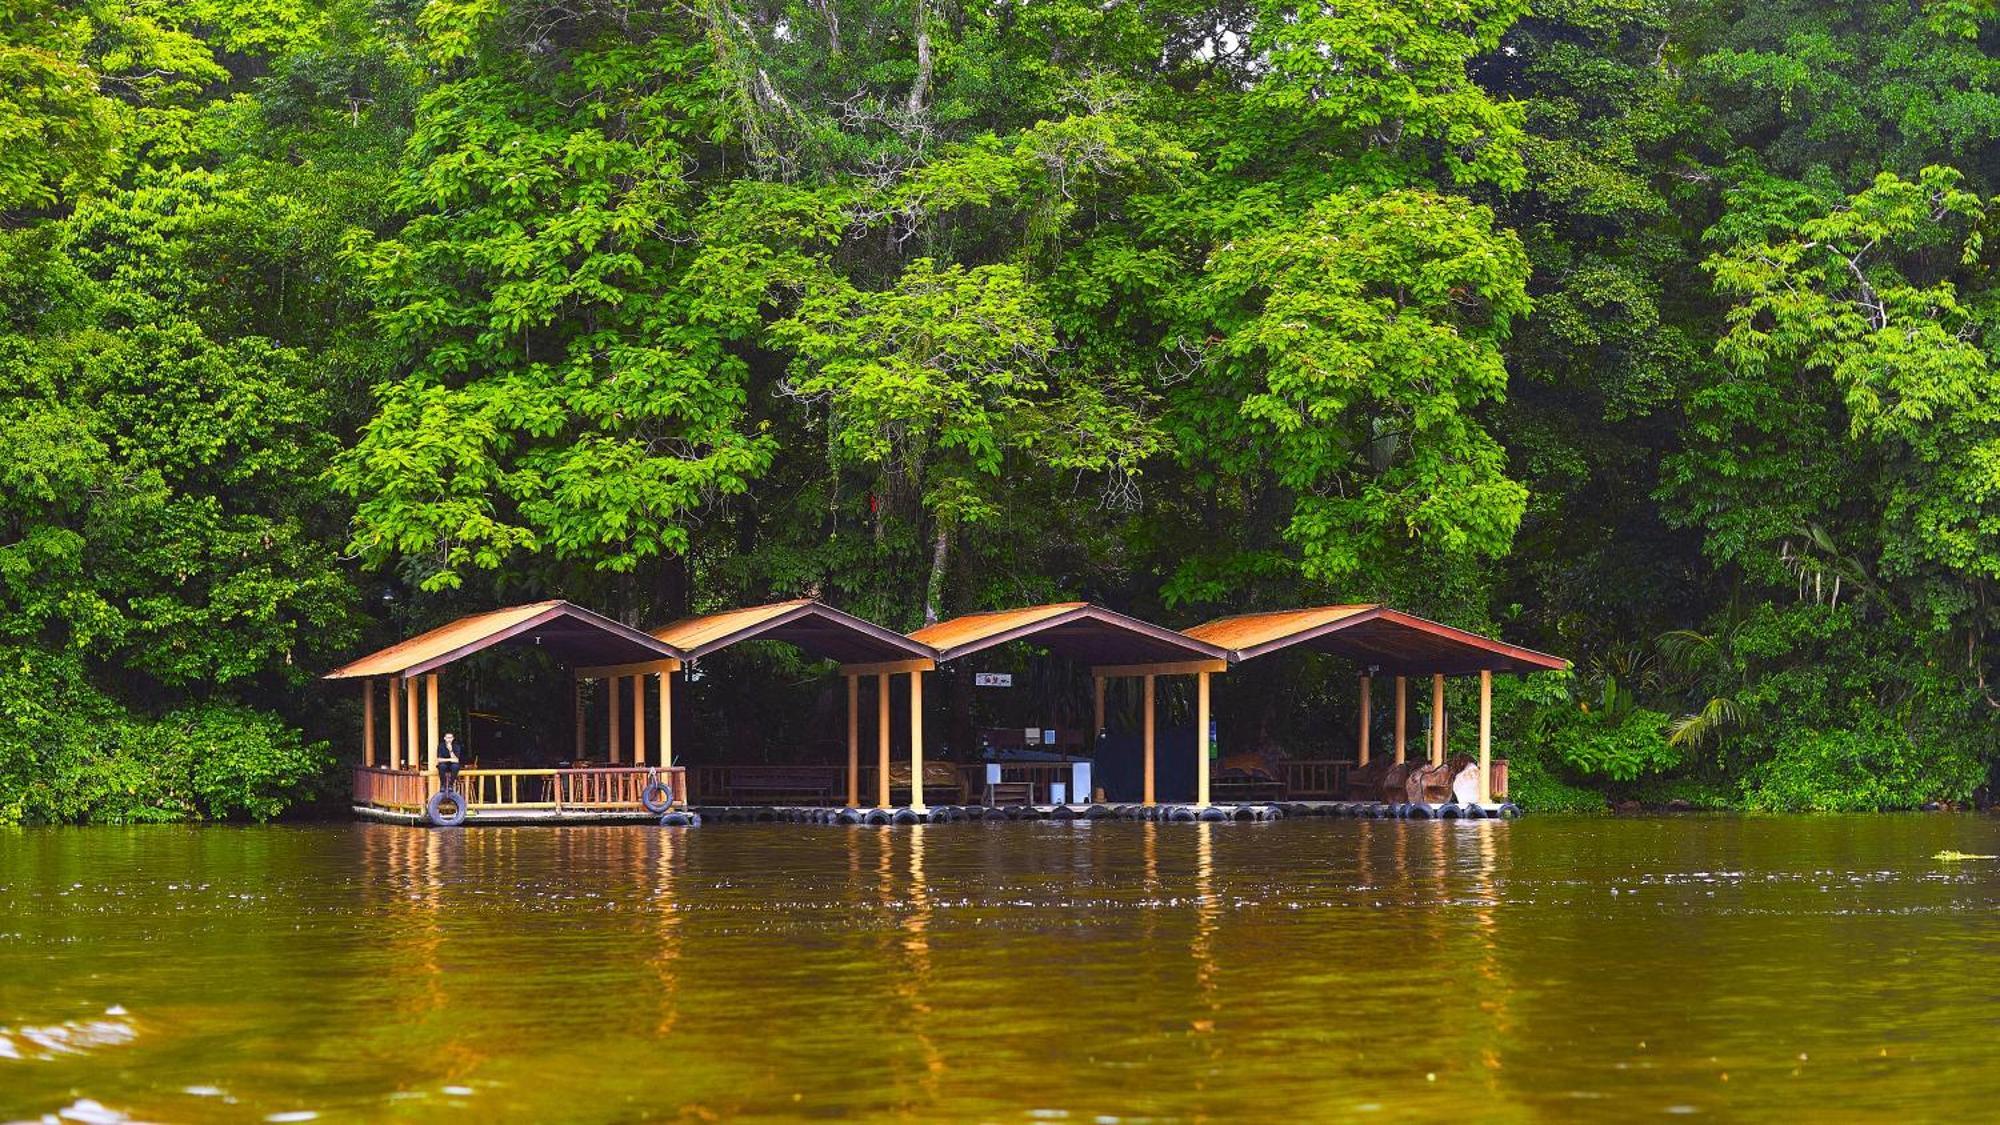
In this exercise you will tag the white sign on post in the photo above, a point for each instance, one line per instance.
(993, 679)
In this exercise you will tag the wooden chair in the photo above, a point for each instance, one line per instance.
(1364, 783)
(1396, 782)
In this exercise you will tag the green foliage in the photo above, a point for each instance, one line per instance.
(1537, 788)
(1657, 335)
(1863, 770)
(1615, 740)
(68, 753)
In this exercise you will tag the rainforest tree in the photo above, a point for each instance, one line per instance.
(1657, 334)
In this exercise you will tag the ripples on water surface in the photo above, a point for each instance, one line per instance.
(1545, 969)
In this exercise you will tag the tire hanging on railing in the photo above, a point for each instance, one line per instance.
(657, 796)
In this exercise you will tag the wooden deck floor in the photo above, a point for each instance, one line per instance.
(799, 814)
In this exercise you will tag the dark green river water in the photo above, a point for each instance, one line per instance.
(1544, 969)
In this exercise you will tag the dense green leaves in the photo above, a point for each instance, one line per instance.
(1659, 334)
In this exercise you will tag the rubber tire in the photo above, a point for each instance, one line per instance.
(436, 818)
(1212, 813)
(1508, 811)
(1451, 810)
(657, 797)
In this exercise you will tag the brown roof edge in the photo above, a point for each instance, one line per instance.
(1438, 628)
(1080, 611)
(475, 641)
(1410, 620)
(808, 607)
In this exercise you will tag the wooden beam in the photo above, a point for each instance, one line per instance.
(1402, 717)
(917, 741)
(1486, 736)
(617, 718)
(576, 717)
(395, 723)
(368, 723)
(431, 707)
(888, 667)
(853, 742)
(667, 721)
(1149, 740)
(881, 740)
(1367, 702)
(1097, 712)
(1437, 720)
(643, 668)
(1164, 668)
(410, 703)
(1201, 738)
(639, 720)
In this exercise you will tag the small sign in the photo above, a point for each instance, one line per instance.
(993, 679)
(1031, 735)
(1049, 736)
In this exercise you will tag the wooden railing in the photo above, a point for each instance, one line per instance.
(390, 789)
(595, 789)
(1306, 779)
(1316, 779)
(768, 785)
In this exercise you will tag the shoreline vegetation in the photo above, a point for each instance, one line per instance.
(1658, 336)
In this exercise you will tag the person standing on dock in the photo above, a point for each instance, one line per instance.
(448, 761)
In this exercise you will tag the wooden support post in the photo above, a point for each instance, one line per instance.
(1097, 724)
(853, 742)
(882, 740)
(576, 718)
(1149, 740)
(639, 720)
(1486, 736)
(395, 723)
(666, 719)
(917, 741)
(1437, 719)
(1201, 738)
(611, 752)
(431, 710)
(1367, 700)
(410, 726)
(1402, 716)
(368, 723)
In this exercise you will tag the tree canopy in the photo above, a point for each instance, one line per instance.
(1661, 335)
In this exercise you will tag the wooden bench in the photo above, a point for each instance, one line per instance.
(1246, 785)
(768, 786)
(941, 779)
(1009, 793)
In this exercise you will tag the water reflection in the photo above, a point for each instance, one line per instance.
(1545, 968)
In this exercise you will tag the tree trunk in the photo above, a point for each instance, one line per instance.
(920, 87)
(934, 588)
